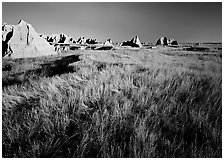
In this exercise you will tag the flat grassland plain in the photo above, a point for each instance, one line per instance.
(149, 102)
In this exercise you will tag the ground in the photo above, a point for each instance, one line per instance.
(126, 102)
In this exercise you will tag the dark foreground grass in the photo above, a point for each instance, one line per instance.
(105, 110)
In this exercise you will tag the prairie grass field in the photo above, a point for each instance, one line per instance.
(123, 103)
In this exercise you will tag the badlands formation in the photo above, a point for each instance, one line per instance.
(134, 42)
(108, 42)
(58, 38)
(22, 41)
(166, 41)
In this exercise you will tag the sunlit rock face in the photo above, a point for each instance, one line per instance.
(166, 41)
(134, 42)
(22, 41)
(108, 42)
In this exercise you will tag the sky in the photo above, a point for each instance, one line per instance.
(119, 21)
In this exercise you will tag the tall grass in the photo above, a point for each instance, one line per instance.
(106, 110)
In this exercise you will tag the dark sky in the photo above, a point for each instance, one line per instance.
(185, 22)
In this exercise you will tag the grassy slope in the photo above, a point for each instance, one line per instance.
(155, 105)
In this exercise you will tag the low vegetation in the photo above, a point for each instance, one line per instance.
(109, 110)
